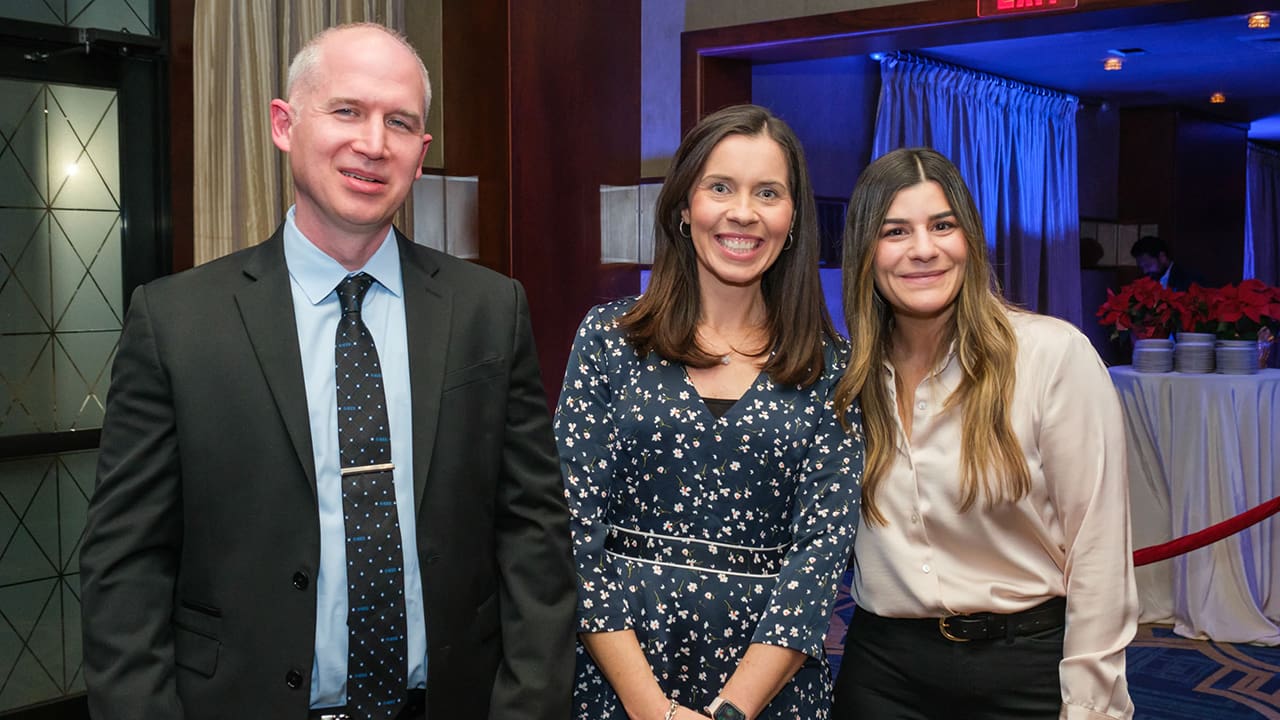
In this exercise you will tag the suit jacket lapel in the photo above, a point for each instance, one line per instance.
(266, 308)
(428, 313)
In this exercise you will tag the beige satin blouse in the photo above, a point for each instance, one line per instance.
(1069, 536)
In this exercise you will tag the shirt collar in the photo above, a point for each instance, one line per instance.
(937, 370)
(317, 274)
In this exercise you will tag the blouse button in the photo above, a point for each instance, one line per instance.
(915, 518)
(921, 405)
(926, 567)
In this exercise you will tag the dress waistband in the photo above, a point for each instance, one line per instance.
(694, 554)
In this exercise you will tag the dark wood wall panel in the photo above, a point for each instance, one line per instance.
(1208, 192)
(575, 125)
(1146, 167)
(542, 103)
(709, 84)
(1098, 143)
(477, 115)
(1187, 174)
(181, 132)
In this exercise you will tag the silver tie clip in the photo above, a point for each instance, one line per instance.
(362, 469)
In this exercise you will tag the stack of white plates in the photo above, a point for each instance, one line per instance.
(1193, 353)
(1153, 356)
(1237, 357)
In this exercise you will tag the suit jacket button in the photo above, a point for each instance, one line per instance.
(293, 679)
(300, 580)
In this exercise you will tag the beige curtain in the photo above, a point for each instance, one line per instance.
(241, 54)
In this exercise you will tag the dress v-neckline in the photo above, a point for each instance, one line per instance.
(735, 410)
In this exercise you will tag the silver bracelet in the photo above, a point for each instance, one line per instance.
(671, 711)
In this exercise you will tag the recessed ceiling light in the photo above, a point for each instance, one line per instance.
(1112, 63)
(1217, 98)
(1259, 21)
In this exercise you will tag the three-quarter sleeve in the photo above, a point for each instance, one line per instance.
(824, 518)
(1083, 453)
(587, 439)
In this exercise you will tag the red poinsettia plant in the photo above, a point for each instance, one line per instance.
(1233, 312)
(1194, 309)
(1241, 311)
(1143, 307)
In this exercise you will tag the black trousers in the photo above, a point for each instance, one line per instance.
(906, 670)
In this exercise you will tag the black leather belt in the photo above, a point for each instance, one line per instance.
(984, 626)
(414, 707)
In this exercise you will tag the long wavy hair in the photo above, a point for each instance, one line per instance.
(991, 461)
(665, 319)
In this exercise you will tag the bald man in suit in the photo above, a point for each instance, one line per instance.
(214, 563)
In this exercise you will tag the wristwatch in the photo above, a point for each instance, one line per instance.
(721, 709)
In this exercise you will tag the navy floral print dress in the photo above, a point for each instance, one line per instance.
(703, 534)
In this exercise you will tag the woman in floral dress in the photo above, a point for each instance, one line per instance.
(714, 493)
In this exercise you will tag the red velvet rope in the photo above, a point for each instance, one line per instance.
(1211, 534)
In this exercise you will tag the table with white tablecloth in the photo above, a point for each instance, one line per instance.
(1204, 448)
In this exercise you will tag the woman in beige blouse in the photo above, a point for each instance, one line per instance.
(993, 569)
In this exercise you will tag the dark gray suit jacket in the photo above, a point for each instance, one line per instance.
(203, 539)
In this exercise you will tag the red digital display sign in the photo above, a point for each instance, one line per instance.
(988, 8)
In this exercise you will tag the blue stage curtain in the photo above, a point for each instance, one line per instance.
(1015, 145)
(1262, 223)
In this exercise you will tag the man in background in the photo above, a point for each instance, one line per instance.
(327, 485)
(1152, 257)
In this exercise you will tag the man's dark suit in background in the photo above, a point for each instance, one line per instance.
(202, 548)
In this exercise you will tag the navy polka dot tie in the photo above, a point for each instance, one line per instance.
(376, 664)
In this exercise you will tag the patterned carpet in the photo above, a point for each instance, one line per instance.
(1170, 677)
(1173, 678)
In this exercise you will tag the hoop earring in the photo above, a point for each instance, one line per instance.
(684, 229)
(791, 241)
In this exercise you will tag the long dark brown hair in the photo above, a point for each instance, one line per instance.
(991, 461)
(665, 319)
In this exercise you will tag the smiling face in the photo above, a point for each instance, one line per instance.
(921, 253)
(740, 210)
(354, 133)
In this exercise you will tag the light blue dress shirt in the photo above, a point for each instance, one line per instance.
(313, 276)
